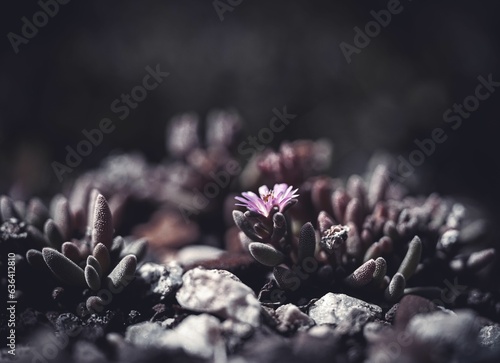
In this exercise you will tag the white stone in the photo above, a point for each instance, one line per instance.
(336, 308)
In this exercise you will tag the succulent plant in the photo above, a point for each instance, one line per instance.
(95, 261)
(375, 240)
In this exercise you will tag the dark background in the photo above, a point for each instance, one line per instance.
(264, 54)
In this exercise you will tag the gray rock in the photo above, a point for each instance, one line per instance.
(194, 254)
(489, 336)
(337, 308)
(164, 279)
(85, 352)
(292, 319)
(221, 293)
(456, 334)
(316, 347)
(145, 334)
(197, 335)
(321, 331)
(375, 331)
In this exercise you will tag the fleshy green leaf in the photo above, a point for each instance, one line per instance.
(266, 254)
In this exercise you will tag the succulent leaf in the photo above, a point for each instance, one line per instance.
(7, 209)
(37, 213)
(37, 236)
(63, 268)
(357, 189)
(380, 271)
(92, 261)
(286, 278)
(92, 278)
(374, 251)
(245, 225)
(53, 234)
(279, 227)
(95, 304)
(307, 242)
(122, 273)
(412, 258)
(324, 221)
(379, 183)
(481, 259)
(396, 288)
(354, 213)
(102, 223)
(101, 254)
(266, 254)
(340, 200)
(62, 216)
(137, 248)
(354, 246)
(363, 275)
(35, 259)
(71, 251)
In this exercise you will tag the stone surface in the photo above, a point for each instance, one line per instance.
(411, 305)
(321, 346)
(164, 279)
(292, 319)
(194, 254)
(455, 335)
(221, 293)
(375, 331)
(336, 308)
(144, 334)
(489, 336)
(197, 335)
(85, 352)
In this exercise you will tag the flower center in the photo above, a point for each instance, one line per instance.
(268, 196)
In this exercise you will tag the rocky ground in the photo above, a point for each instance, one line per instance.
(354, 269)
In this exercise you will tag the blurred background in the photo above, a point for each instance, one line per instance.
(253, 56)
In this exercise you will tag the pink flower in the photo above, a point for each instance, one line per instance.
(280, 196)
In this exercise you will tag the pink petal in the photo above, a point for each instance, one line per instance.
(263, 190)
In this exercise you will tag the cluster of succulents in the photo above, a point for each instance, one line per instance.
(356, 246)
(86, 257)
(371, 238)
